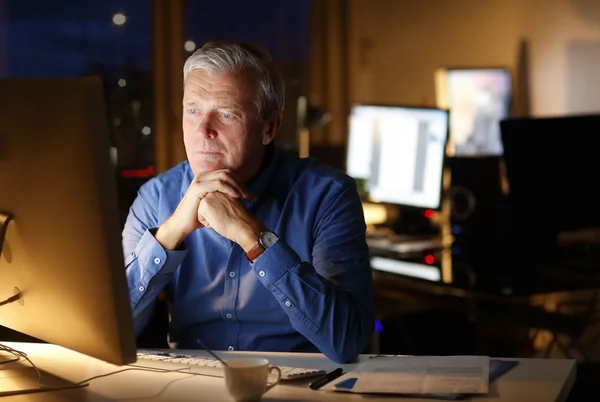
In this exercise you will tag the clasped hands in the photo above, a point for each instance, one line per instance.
(213, 200)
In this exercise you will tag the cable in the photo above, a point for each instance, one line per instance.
(136, 368)
(11, 299)
(16, 359)
(84, 383)
(18, 354)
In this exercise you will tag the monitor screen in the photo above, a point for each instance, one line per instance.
(397, 154)
(478, 99)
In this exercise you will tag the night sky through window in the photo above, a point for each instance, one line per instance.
(59, 38)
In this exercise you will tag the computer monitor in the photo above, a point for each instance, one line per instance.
(552, 168)
(397, 153)
(478, 99)
(62, 249)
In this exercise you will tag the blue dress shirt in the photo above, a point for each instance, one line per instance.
(311, 291)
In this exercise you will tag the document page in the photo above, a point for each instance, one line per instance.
(418, 375)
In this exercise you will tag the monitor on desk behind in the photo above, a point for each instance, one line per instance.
(62, 249)
(478, 99)
(552, 169)
(397, 154)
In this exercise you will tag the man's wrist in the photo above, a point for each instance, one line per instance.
(248, 235)
(168, 237)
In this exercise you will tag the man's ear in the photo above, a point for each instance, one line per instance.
(272, 126)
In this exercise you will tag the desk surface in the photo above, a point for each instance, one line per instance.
(531, 380)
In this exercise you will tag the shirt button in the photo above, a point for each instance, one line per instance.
(261, 273)
(228, 315)
(157, 260)
(230, 348)
(231, 274)
(288, 303)
(141, 288)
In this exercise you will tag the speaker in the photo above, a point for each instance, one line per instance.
(477, 216)
(475, 193)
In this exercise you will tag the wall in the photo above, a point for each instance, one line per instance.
(394, 47)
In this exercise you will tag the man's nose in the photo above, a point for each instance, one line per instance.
(206, 127)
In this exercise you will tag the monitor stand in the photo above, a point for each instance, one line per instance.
(9, 356)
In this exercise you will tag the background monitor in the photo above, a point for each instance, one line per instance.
(478, 99)
(552, 170)
(397, 154)
(62, 249)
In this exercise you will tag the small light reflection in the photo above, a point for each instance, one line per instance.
(114, 155)
(374, 213)
(146, 130)
(116, 122)
(122, 82)
(190, 45)
(119, 19)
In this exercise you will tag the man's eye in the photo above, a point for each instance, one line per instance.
(227, 115)
(192, 111)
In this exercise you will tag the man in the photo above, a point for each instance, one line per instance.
(256, 248)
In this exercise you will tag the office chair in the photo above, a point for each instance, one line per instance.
(570, 319)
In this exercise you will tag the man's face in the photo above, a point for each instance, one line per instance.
(220, 129)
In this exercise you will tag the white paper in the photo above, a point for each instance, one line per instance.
(419, 375)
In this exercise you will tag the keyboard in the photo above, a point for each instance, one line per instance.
(212, 367)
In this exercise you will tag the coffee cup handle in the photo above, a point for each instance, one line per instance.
(278, 370)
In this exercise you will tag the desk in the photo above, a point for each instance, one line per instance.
(531, 380)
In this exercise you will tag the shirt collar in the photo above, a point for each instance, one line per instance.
(259, 183)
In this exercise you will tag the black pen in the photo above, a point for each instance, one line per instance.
(327, 378)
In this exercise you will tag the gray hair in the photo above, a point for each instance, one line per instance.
(225, 57)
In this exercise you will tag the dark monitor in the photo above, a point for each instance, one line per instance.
(552, 168)
(62, 249)
(397, 153)
(478, 99)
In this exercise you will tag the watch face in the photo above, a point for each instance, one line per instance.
(267, 239)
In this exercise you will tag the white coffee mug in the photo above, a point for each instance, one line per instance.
(247, 378)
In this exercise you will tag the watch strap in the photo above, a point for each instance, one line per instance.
(255, 252)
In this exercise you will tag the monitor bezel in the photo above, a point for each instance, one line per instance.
(409, 207)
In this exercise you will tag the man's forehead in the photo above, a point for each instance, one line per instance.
(202, 83)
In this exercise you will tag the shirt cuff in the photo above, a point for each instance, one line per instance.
(274, 262)
(155, 258)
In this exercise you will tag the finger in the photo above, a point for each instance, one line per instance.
(218, 181)
(228, 177)
(217, 185)
(202, 221)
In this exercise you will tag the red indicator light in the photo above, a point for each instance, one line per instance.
(137, 173)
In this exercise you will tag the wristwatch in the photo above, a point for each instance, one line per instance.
(265, 240)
